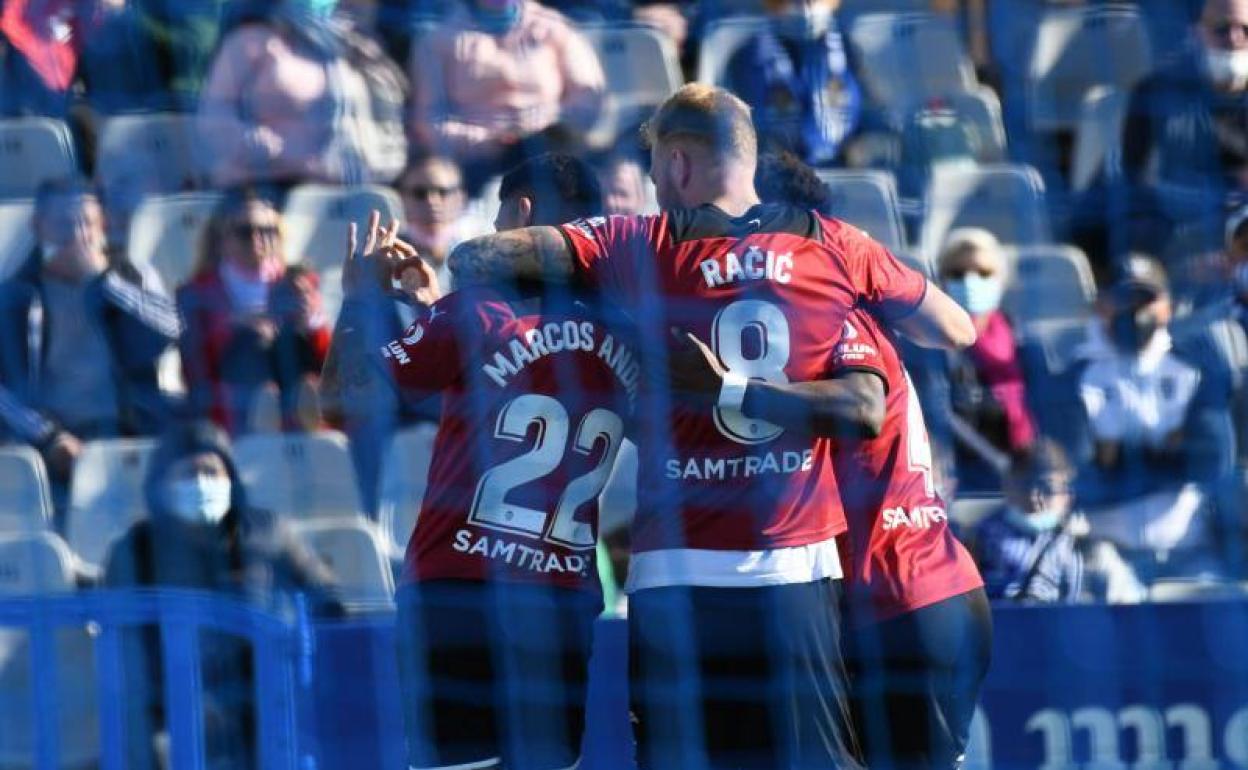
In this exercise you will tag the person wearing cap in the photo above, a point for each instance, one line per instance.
(1145, 418)
(201, 534)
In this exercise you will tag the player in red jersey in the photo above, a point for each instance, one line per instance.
(734, 643)
(500, 586)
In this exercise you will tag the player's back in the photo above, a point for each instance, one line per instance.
(768, 291)
(534, 410)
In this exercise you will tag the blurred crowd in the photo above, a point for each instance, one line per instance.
(1093, 438)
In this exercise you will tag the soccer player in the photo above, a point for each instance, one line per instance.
(734, 648)
(500, 587)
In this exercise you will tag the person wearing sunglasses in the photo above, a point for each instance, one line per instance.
(432, 190)
(252, 321)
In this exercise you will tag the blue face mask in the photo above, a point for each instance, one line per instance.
(496, 21)
(1036, 521)
(975, 293)
(318, 9)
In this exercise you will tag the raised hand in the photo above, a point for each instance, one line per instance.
(385, 258)
(693, 368)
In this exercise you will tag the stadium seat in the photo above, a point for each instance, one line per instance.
(1098, 137)
(1057, 340)
(1007, 200)
(152, 153)
(868, 200)
(1194, 590)
(41, 564)
(721, 41)
(905, 59)
(32, 151)
(1077, 49)
(303, 475)
(967, 512)
(355, 550)
(165, 234)
(642, 70)
(403, 479)
(106, 494)
(317, 216)
(1050, 283)
(17, 235)
(25, 504)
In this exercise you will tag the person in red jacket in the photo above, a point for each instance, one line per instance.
(251, 319)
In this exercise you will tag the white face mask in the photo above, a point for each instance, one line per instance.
(201, 500)
(1227, 68)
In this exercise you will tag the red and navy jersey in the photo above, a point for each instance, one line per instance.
(899, 553)
(769, 291)
(533, 415)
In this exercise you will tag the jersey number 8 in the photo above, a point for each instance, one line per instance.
(764, 325)
(490, 507)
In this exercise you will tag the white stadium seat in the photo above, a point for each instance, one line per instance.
(1007, 200)
(153, 153)
(165, 234)
(907, 58)
(1098, 137)
(41, 564)
(969, 511)
(1078, 49)
(17, 235)
(303, 475)
(642, 70)
(867, 200)
(355, 550)
(316, 219)
(721, 41)
(32, 151)
(106, 494)
(404, 476)
(25, 504)
(981, 109)
(1050, 283)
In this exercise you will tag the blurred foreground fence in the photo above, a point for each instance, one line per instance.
(1150, 687)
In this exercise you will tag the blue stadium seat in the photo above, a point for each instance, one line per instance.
(106, 494)
(302, 475)
(1005, 199)
(17, 234)
(165, 234)
(152, 153)
(32, 151)
(868, 200)
(905, 59)
(25, 503)
(355, 550)
(1098, 137)
(642, 70)
(1050, 283)
(721, 40)
(1078, 49)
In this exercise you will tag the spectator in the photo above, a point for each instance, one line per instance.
(496, 75)
(295, 95)
(83, 365)
(1189, 121)
(548, 189)
(1033, 550)
(987, 391)
(797, 79)
(200, 534)
(432, 188)
(1147, 423)
(44, 41)
(250, 319)
(623, 185)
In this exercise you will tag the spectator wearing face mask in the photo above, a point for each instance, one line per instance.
(79, 337)
(987, 390)
(1035, 550)
(1186, 129)
(201, 534)
(250, 319)
(296, 94)
(796, 77)
(493, 77)
(1148, 422)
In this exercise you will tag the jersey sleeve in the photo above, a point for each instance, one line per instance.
(613, 254)
(889, 288)
(860, 348)
(433, 350)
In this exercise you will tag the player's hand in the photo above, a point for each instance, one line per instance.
(418, 280)
(693, 367)
(370, 272)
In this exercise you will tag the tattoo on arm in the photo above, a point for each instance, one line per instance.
(350, 375)
(527, 255)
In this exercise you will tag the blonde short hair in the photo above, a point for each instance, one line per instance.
(964, 239)
(709, 116)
